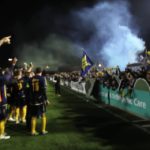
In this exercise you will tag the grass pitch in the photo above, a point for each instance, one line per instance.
(74, 124)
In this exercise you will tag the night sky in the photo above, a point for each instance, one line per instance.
(25, 21)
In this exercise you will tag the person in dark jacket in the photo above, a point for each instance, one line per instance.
(57, 85)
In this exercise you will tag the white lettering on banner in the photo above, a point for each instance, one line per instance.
(62, 82)
(78, 87)
(127, 100)
(130, 101)
(115, 96)
(66, 83)
(135, 101)
(139, 103)
(104, 94)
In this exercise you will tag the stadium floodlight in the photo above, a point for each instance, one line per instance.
(99, 65)
(10, 59)
(47, 67)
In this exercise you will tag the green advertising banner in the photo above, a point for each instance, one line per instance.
(138, 102)
(142, 98)
(103, 94)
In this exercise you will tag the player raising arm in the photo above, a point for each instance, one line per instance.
(5, 40)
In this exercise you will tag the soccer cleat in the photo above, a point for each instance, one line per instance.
(17, 122)
(35, 134)
(44, 132)
(23, 121)
(4, 137)
(11, 119)
(5, 134)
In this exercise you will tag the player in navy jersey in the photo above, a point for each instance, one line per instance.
(3, 106)
(28, 96)
(18, 96)
(38, 101)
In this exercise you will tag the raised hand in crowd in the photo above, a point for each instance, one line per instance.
(5, 40)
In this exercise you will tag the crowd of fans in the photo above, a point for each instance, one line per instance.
(107, 75)
(112, 78)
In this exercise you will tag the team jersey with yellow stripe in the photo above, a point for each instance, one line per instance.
(38, 88)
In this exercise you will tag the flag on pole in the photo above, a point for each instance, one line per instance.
(86, 64)
(148, 52)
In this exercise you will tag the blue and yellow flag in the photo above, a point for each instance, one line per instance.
(86, 64)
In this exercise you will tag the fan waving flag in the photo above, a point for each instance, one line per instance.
(86, 64)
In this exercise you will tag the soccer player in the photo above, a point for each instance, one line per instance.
(27, 78)
(3, 106)
(18, 95)
(38, 101)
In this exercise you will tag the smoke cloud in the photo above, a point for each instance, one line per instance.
(54, 51)
(115, 37)
(106, 30)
